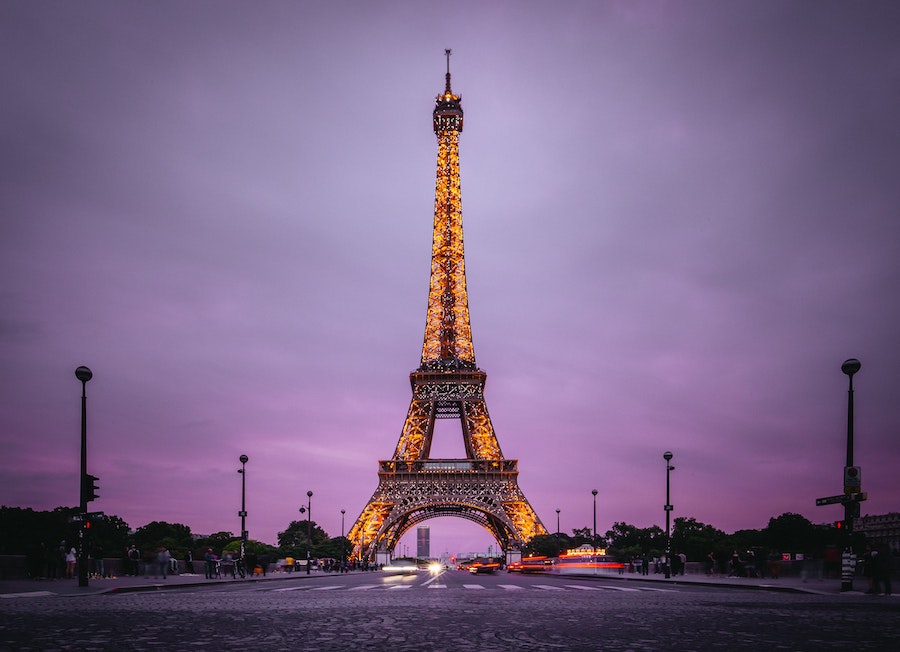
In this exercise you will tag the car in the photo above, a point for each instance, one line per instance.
(401, 567)
(479, 568)
(515, 567)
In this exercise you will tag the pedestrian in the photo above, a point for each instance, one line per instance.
(251, 562)
(71, 558)
(710, 563)
(210, 559)
(134, 561)
(189, 562)
(97, 555)
(682, 562)
(163, 558)
(881, 573)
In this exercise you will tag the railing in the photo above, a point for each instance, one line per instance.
(447, 467)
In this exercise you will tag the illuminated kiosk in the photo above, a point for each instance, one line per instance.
(413, 487)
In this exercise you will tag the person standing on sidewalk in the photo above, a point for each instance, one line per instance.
(163, 558)
(71, 558)
(210, 559)
(134, 561)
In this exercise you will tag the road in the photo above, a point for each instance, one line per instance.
(452, 611)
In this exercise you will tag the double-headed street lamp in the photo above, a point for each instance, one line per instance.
(667, 456)
(87, 486)
(243, 512)
(594, 541)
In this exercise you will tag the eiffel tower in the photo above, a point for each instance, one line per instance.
(412, 486)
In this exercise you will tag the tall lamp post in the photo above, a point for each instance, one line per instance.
(308, 527)
(594, 540)
(342, 540)
(84, 375)
(243, 512)
(667, 456)
(851, 508)
(557, 532)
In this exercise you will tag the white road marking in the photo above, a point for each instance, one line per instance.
(473, 586)
(619, 588)
(511, 587)
(548, 587)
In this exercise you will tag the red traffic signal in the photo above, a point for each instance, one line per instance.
(839, 525)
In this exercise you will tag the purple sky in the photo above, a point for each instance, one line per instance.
(680, 219)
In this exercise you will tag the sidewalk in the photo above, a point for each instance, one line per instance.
(62, 587)
(789, 584)
(10, 589)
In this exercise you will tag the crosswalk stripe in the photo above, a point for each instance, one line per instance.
(437, 586)
(291, 588)
(325, 588)
(399, 586)
(583, 588)
(619, 588)
(511, 587)
(362, 587)
(473, 586)
(548, 587)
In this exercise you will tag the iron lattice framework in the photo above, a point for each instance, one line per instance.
(412, 487)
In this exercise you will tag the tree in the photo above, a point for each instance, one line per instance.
(695, 539)
(543, 545)
(292, 542)
(218, 541)
(174, 536)
(791, 532)
(627, 541)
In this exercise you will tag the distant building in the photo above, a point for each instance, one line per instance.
(423, 542)
(884, 528)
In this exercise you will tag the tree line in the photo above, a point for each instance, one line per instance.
(788, 533)
(24, 531)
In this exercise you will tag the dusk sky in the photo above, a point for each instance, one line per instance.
(680, 219)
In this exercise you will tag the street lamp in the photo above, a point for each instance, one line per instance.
(594, 540)
(308, 527)
(342, 540)
(667, 456)
(557, 532)
(243, 512)
(851, 508)
(84, 375)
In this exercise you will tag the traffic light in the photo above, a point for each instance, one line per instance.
(839, 525)
(90, 487)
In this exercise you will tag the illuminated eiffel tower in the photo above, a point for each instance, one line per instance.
(413, 487)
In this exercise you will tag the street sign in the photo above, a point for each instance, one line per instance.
(830, 500)
(842, 499)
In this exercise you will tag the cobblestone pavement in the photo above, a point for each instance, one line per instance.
(451, 612)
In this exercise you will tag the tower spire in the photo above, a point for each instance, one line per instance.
(447, 90)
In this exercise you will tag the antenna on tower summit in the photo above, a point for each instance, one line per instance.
(447, 54)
